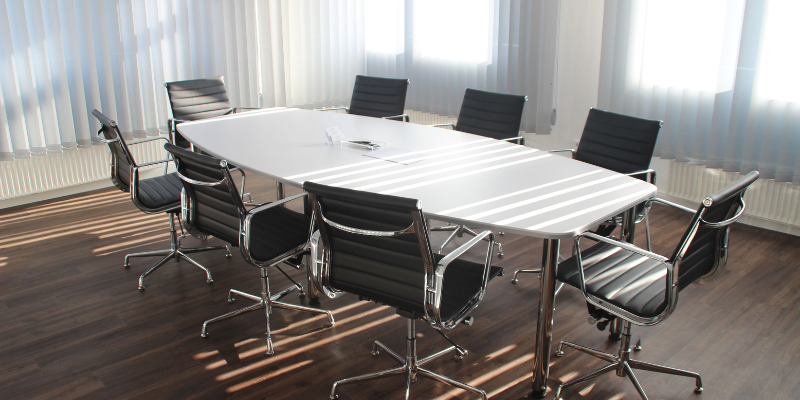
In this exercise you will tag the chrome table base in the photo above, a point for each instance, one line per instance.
(622, 364)
(176, 252)
(459, 231)
(265, 303)
(410, 366)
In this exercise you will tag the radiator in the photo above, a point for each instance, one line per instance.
(27, 176)
(766, 199)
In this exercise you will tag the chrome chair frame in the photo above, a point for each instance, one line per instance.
(401, 117)
(622, 363)
(410, 365)
(265, 301)
(176, 251)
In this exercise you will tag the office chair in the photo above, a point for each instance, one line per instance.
(196, 99)
(624, 281)
(376, 246)
(267, 235)
(152, 196)
(378, 97)
(494, 115)
(622, 144)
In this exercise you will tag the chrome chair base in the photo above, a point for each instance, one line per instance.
(410, 366)
(459, 231)
(175, 252)
(622, 364)
(266, 302)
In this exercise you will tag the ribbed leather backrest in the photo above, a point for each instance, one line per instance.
(198, 98)
(702, 254)
(217, 210)
(122, 159)
(378, 97)
(389, 270)
(617, 142)
(489, 114)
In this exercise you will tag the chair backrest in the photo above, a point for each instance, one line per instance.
(198, 98)
(387, 269)
(618, 142)
(707, 235)
(121, 157)
(494, 115)
(211, 204)
(378, 97)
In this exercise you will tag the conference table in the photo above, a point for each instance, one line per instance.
(458, 177)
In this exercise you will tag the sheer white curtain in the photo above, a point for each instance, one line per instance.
(59, 59)
(311, 51)
(721, 74)
(446, 46)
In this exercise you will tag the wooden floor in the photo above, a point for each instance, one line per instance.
(74, 325)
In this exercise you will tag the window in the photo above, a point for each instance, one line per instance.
(458, 30)
(779, 60)
(383, 26)
(691, 44)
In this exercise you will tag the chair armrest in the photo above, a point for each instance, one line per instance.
(625, 246)
(267, 206)
(669, 203)
(148, 140)
(177, 121)
(651, 174)
(519, 139)
(401, 117)
(335, 108)
(236, 109)
(671, 282)
(450, 124)
(433, 295)
(561, 151)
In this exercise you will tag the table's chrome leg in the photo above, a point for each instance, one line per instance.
(544, 328)
(281, 193)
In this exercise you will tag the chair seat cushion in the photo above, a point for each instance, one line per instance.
(160, 192)
(275, 231)
(627, 280)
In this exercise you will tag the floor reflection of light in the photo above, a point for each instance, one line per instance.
(283, 342)
(56, 232)
(205, 354)
(244, 342)
(262, 378)
(62, 203)
(509, 385)
(118, 245)
(38, 215)
(586, 390)
(490, 375)
(500, 352)
(136, 233)
(299, 350)
(320, 317)
(568, 376)
(3, 261)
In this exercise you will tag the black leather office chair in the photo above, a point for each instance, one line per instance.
(622, 144)
(376, 246)
(152, 196)
(195, 99)
(494, 115)
(266, 235)
(378, 97)
(642, 287)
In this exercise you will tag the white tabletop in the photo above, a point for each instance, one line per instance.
(461, 177)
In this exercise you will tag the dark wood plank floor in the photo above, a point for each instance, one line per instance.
(73, 325)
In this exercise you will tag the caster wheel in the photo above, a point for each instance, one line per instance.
(559, 353)
(210, 281)
(141, 287)
(204, 335)
(698, 390)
